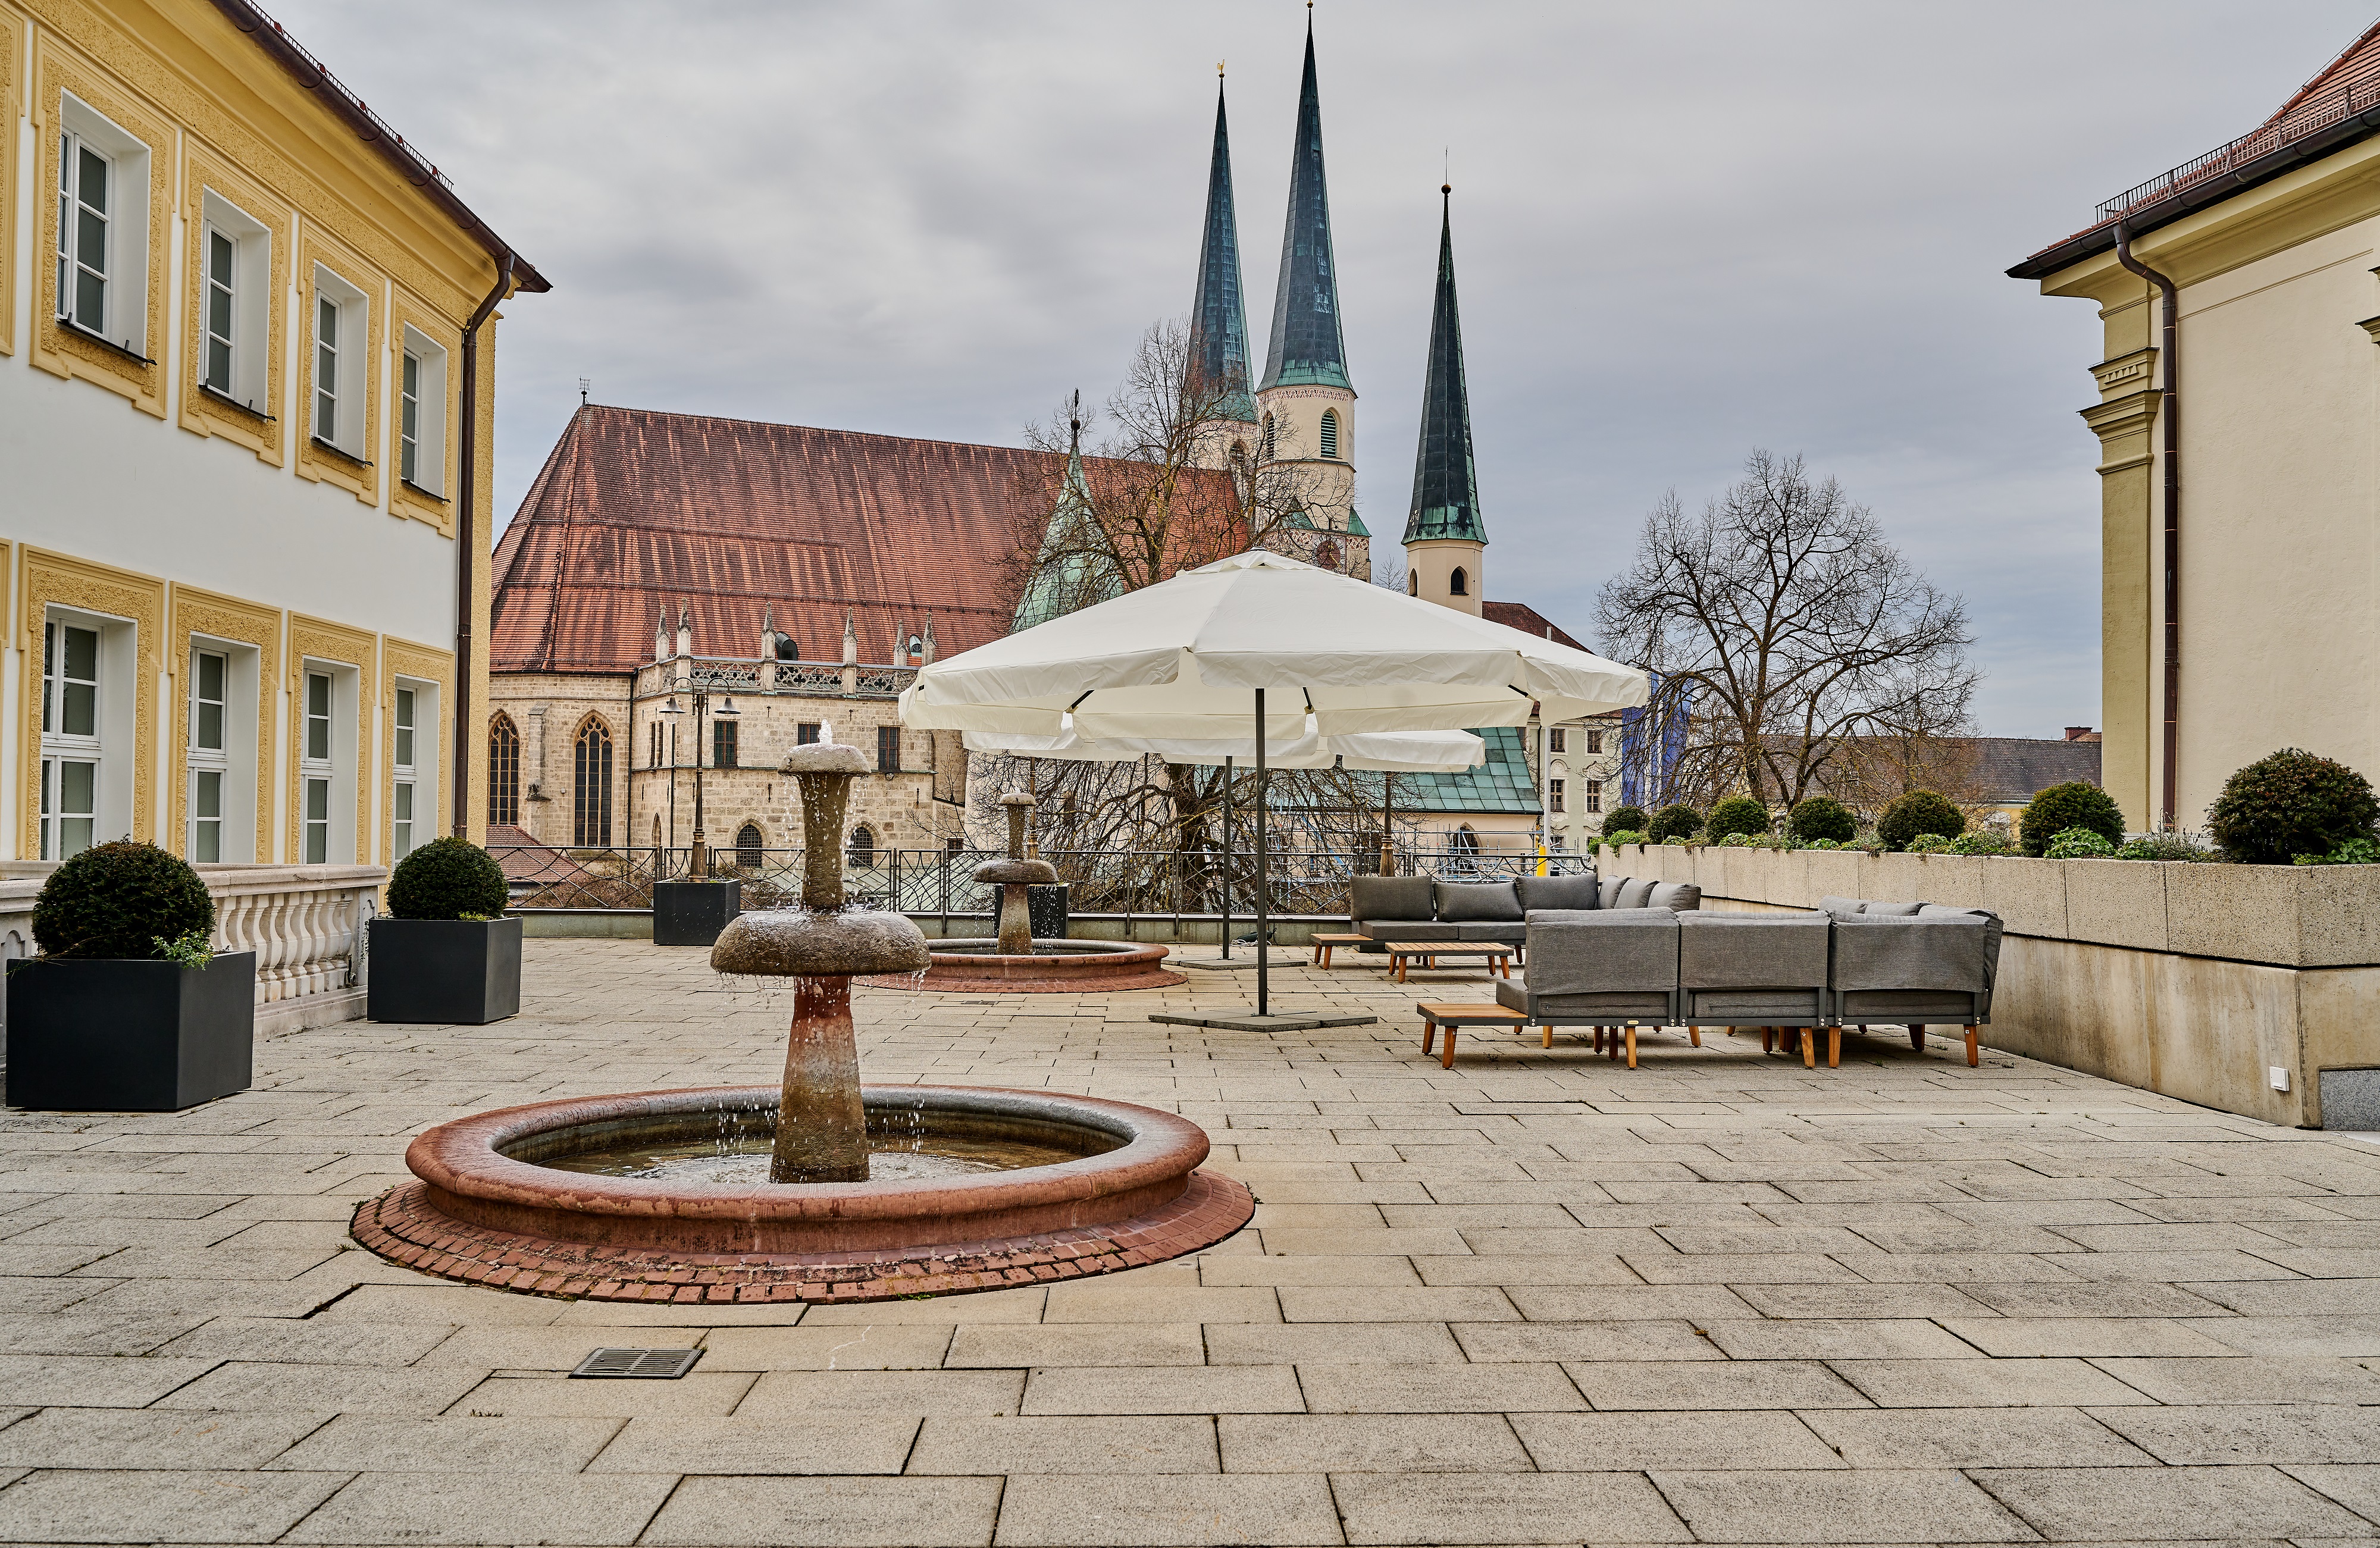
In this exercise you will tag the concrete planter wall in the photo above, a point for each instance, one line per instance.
(2194, 980)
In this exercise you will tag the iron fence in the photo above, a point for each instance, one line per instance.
(1132, 883)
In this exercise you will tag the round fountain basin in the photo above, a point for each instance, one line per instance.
(976, 963)
(1104, 1186)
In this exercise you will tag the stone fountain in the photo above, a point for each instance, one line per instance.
(867, 1191)
(1012, 961)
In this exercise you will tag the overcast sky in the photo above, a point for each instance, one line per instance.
(1682, 231)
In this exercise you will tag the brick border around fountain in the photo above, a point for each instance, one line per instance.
(1110, 965)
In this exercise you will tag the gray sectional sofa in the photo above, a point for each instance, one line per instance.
(1387, 908)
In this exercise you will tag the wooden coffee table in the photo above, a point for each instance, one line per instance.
(1322, 945)
(1441, 1016)
(1402, 953)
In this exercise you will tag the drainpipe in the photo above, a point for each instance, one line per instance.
(467, 536)
(2172, 418)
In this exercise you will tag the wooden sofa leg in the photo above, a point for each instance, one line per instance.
(1767, 1040)
(1631, 1044)
(1809, 1037)
(1428, 1036)
(1697, 1033)
(1834, 1047)
(1447, 1062)
(1975, 1053)
(1549, 1029)
(1917, 1037)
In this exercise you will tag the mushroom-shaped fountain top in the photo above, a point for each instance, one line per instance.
(1017, 873)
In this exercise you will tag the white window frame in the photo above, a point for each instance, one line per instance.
(234, 762)
(106, 749)
(422, 412)
(248, 381)
(348, 385)
(207, 769)
(124, 265)
(413, 781)
(1556, 797)
(1594, 796)
(1594, 744)
(326, 766)
(1557, 739)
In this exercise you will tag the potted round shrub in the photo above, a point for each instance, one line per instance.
(2294, 806)
(1920, 812)
(1822, 817)
(444, 952)
(2076, 804)
(126, 1010)
(1739, 814)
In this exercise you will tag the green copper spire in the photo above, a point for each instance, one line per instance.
(1218, 319)
(1446, 484)
(1071, 571)
(1307, 348)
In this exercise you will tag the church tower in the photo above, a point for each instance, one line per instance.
(1446, 544)
(1306, 404)
(1219, 317)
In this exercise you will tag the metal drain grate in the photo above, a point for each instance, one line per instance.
(656, 1364)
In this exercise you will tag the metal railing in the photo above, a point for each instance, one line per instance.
(2306, 119)
(1307, 883)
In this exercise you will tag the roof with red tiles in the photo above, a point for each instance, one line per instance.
(638, 513)
(1528, 619)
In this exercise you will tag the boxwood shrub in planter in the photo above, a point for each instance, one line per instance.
(1822, 817)
(444, 953)
(1919, 812)
(1674, 825)
(2292, 803)
(2076, 804)
(1737, 814)
(125, 1009)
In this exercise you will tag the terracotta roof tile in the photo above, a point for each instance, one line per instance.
(1528, 619)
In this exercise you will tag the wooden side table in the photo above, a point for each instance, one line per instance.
(1402, 953)
(1322, 945)
(1441, 1016)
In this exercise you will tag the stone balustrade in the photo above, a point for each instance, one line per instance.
(306, 925)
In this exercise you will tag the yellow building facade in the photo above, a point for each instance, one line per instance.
(2239, 405)
(247, 369)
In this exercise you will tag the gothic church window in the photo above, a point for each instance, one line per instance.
(503, 769)
(863, 848)
(1459, 583)
(748, 846)
(1330, 432)
(591, 793)
(888, 749)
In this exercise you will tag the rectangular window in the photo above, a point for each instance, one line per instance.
(723, 743)
(1594, 742)
(1594, 796)
(401, 779)
(404, 699)
(653, 735)
(318, 821)
(223, 276)
(69, 682)
(207, 758)
(69, 806)
(206, 816)
(1557, 740)
(409, 421)
(806, 733)
(1554, 796)
(888, 749)
(401, 823)
(326, 368)
(84, 234)
(318, 717)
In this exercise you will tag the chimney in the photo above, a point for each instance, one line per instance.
(2079, 733)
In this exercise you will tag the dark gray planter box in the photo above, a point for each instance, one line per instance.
(444, 971)
(1046, 906)
(693, 913)
(122, 1035)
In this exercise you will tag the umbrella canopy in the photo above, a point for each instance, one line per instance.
(1177, 661)
(1412, 752)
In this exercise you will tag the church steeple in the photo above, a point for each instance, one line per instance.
(1307, 348)
(1445, 540)
(1218, 319)
(1071, 569)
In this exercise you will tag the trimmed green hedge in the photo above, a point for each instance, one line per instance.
(448, 879)
(121, 899)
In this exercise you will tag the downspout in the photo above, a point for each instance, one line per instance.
(467, 537)
(2172, 418)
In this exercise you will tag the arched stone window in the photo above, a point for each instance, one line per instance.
(503, 769)
(863, 848)
(1413, 584)
(1330, 432)
(749, 846)
(590, 790)
(1327, 555)
(1463, 841)
(1459, 583)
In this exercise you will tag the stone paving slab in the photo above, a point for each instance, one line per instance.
(1535, 1298)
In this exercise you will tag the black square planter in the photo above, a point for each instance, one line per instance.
(1046, 906)
(128, 1035)
(446, 971)
(693, 913)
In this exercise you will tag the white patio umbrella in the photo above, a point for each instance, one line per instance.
(1191, 660)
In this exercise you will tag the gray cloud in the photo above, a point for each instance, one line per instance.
(1682, 231)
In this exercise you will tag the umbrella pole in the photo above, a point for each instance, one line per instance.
(1264, 984)
(1227, 857)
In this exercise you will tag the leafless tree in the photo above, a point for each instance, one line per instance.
(1781, 629)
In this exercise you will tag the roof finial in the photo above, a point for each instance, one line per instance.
(1218, 69)
(1075, 424)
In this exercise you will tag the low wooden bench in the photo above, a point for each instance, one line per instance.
(1440, 1016)
(1322, 945)
(1402, 953)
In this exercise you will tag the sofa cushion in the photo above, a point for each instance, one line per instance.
(1753, 950)
(1678, 897)
(1603, 951)
(1946, 952)
(1501, 932)
(1485, 900)
(1845, 908)
(1840, 908)
(1582, 891)
(1371, 898)
(1608, 891)
(1889, 910)
(1635, 892)
(1405, 929)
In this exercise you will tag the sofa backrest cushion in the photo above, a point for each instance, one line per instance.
(1845, 908)
(1949, 951)
(1889, 910)
(1390, 898)
(1582, 891)
(1679, 897)
(1586, 952)
(1840, 908)
(1753, 950)
(1477, 902)
(1636, 892)
(1608, 891)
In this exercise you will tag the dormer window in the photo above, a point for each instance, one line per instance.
(1330, 432)
(1459, 583)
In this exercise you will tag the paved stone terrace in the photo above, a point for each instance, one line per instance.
(1534, 1298)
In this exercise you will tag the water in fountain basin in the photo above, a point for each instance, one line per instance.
(741, 1159)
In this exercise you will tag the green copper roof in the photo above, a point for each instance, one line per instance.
(1501, 784)
(1307, 348)
(1355, 528)
(1446, 484)
(1218, 319)
(1069, 573)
